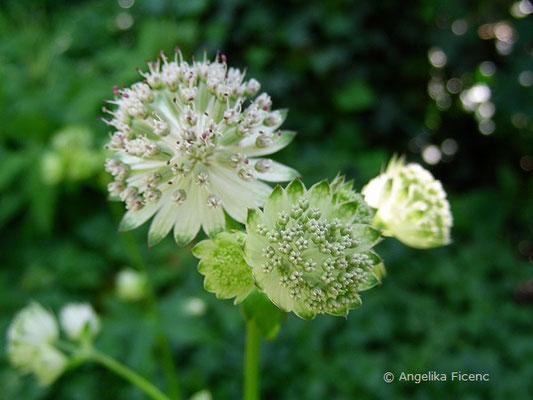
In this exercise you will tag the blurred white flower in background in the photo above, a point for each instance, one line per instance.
(30, 344)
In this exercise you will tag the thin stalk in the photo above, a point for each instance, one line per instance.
(131, 376)
(169, 367)
(251, 361)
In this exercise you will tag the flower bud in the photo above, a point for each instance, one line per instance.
(410, 205)
(131, 285)
(79, 321)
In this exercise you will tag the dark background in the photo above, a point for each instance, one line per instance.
(363, 80)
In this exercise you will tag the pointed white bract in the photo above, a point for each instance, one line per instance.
(410, 205)
(30, 344)
(188, 146)
(79, 321)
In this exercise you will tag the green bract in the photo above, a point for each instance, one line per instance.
(222, 263)
(309, 252)
(343, 191)
(411, 205)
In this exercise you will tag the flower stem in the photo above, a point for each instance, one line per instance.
(169, 367)
(251, 361)
(120, 369)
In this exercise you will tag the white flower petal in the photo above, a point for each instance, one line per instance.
(248, 147)
(135, 218)
(188, 219)
(237, 195)
(163, 222)
(277, 172)
(213, 220)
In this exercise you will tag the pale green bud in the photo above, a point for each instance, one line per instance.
(410, 205)
(131, 285)
(79, 321)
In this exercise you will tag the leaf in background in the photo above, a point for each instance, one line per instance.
(356, 95)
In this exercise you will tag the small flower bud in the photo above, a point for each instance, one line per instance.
(131, 285)
(252, 87)
(263, 141)
(263, 166)
(263, 101)
(188, 94)
(273, 119)
(411, 205)
(179, 196)
(79, 321)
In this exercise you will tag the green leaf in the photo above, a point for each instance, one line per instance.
(258, 308)
(356, 95)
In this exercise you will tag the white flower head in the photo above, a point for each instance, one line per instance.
(79, 321)
(410, 205)
(310, 253)
(188, 146)
(131, 285)
(30, 345)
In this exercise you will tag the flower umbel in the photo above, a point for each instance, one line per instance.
(79, 321)
(309, 253)
(30, 345)
(188, 145)
(410, 204)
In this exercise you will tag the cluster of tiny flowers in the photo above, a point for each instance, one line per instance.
(33, 335)
(187, 143)
(410, 205)
(310, 254)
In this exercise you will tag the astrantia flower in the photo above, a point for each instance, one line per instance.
(309, 253)
(188, 145)
(79, 321)
(30, 344)
(410, 204)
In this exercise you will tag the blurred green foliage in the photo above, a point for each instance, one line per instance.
(355, 76)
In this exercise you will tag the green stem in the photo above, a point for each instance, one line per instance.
(129, 375)
(136, 258)
(251, 361)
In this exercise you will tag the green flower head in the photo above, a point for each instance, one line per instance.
(189, 143)
(309, 252)
(222, 263)
(411, 205)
